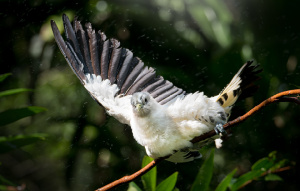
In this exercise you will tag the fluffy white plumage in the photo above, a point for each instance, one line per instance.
(104, 92)
(167, 128)
(164, 119)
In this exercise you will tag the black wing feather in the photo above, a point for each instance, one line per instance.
(144, 77)
(71, 36)
(104, 58)
(124, 69)
(133, 75)
(162, 89)
(68, 53)
(156, 82)
(87, 51)
(114, 60)
(93, 42)
(83, 45)
(166, 94)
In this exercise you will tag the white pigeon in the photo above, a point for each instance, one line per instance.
(163, 118)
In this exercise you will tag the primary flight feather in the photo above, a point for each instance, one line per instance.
(163, 118)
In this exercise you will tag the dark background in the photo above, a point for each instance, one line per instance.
(198, 45)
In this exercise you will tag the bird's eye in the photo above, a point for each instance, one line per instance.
(146, 100)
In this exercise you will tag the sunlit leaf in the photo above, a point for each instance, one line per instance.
(245, 178)
(226, 181)
(14, 91)
(13, 142)
(149, 179)
(262, 164)
(273, 177)
(4, 76)
(205, 174)
(13, 115)
(168, 184)
(272, 155)
(133, 187)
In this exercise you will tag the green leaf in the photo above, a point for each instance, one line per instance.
(4, 76)
(4, 181)
(279, 164)
(3, 188)
(133, 187)
(14, 91)
(149, 179)
(204, 175)
(272, 155)
(13, 115)
(272, 177)
(262, 164)
(226, 181)
(249, 176)
(168, 184)
(13, 142)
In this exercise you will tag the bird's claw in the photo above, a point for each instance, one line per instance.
(219, 129)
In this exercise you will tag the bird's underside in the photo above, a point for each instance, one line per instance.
(114, 78)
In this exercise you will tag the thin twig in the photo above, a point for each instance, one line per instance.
(280, 97)
(130, 178)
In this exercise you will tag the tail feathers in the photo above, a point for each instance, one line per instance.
(241, 83)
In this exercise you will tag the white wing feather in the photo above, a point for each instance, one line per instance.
(105, 93)
(195, 114)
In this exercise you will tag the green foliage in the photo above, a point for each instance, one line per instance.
(273, 177)
(226, 181)
(4, 76)
(13, 115)
(168, 184)
(9, 143)
(149, 180)
(4, 181)
(205, 173)
(133, 187)
(14, 142)
(263, 169)
(14, 91)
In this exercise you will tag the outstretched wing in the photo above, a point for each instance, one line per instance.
(110, 73)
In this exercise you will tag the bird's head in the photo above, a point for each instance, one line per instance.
(141, 103)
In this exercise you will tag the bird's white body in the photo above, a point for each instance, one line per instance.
(167, 128)
(158, 132)
(163, 117)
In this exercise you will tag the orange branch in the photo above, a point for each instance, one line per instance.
(280, 97)
(130, 178)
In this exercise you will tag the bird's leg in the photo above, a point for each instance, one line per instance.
(219, 129)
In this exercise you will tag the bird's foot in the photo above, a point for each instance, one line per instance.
(219, 129)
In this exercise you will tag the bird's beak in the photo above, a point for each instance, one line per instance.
(138, 106)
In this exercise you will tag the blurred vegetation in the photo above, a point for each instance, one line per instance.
(198, 45)
(263, 169)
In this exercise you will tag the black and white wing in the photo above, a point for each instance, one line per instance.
(110, 73)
